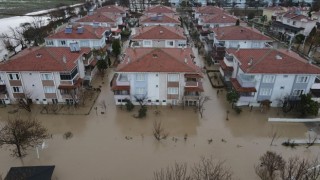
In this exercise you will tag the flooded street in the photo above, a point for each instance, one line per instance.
(117, 146)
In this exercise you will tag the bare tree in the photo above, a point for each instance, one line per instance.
(103, 105)
(202, 101)
(274, 167)
(206, 169)
(158, 131)
(177, 172)
(22, 134)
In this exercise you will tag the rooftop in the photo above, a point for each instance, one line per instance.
(158, 60)
(112, 9)
(219, 18)
(160, 18)
(239, 33)
(100, 17)
(160, 9)
(208, 10)
(80, 32)
(30, 173)
(272, 61)
(49, 59)
(159, 32)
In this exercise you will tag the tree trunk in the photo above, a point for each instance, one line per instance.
(19, 150)
(310, 47)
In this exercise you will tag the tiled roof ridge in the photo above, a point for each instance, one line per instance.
(259, 60)
(137, 59)
(181, 62)
(56, 58)
(160, 26)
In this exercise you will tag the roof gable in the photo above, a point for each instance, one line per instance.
(209, 10)
(239, 33)
(160, 18)
(100, 17)
(159, 32)
(158, 60)
(160, 9)
(219, 18)
(112, 9)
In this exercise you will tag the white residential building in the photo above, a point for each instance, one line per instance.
(207, 10)
(158, 76)
(218, 20)
(45, 75)
(291, 24)
(267, 75)
(159, 36)
(84, 35)
(238, 37)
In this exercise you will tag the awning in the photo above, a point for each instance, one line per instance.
(120, 88)
(236, 85)
(225, 67)
(193, 76)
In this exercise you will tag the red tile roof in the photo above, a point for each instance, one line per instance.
(112, 9)
(219, 18)
(273, 61)
(237, 86)
(295, 16)
(159, 32)
(316, 13)
(100, 17)
(158, 60)
(46, 59)
(89, 32)
(225, 67)
(239, 33)
(160, 9)
(162, 18)
(208, 10)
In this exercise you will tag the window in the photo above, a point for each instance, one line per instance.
(49, 43)
(14, 76)
(268, 78)
(140, 90)
(62, 43)
(285, 76)
(293, 22)
(46, 76)
(172, 90)
(265, 92)
(147, 43)
(69, 76)
(233, 44)
(288, 20)
(169, 43)
(49, 89)
(17, 89)
(140, 77)
(173, 77)
(282, 87)
(302, 79)
(181, 43)
(297, 92)
(55, 101)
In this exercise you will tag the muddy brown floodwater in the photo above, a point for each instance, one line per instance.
(117, 146)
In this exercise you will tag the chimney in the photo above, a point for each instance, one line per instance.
(38, 55)
(185, 60)
(250, 62)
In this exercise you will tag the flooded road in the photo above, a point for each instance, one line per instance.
(117, 146)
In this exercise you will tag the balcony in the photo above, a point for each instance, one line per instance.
(120, 82)
(239, 88)
(3, 92)
(246, 80)
(87, 59)
(193, 86)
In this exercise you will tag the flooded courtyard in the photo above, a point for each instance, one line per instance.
(117, 146)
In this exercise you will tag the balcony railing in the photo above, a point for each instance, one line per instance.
(122, 80)
(192, 84)
(246, 81)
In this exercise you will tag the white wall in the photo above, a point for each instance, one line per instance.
(153, 90)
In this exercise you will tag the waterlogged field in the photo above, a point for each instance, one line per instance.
(19, 7)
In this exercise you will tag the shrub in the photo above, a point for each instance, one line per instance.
(129, 105)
